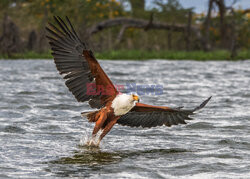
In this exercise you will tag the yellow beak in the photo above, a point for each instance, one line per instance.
(136, 98)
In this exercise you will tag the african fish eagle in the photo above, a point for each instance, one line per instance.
(79, 68)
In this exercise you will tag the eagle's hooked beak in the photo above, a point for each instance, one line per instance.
(136, 98)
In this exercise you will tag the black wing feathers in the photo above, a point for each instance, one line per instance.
(67, 50)
(152, 119)
(158, 118)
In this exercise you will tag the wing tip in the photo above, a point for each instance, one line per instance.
(203, 104)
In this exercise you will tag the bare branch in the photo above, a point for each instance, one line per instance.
(143, 24)
(137, 23)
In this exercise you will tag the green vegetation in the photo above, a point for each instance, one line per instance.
(166, 30)
(172, 55)
(145, 55)
(27, 55)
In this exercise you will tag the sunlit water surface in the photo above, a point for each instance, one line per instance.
(41, 130)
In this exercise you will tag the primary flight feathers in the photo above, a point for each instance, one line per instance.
(79, 68)
(78, 64)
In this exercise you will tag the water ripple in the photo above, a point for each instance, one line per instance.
(41, 127)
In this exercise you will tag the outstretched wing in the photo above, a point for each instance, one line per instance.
(151, 116)
(84, 76)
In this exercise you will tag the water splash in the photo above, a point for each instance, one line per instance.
(89, 141)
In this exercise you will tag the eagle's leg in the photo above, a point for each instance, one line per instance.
(98, 124)
(107, 128)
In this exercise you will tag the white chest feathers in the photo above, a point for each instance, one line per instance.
(122, 104)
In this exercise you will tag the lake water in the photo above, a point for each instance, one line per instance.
(41, 131)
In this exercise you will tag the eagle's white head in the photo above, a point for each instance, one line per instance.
(123, 103)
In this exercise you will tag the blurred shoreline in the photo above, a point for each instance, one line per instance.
(144, 55)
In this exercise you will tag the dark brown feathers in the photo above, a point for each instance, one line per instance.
(77, 64)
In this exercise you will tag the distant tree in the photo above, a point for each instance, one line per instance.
(10, 41)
